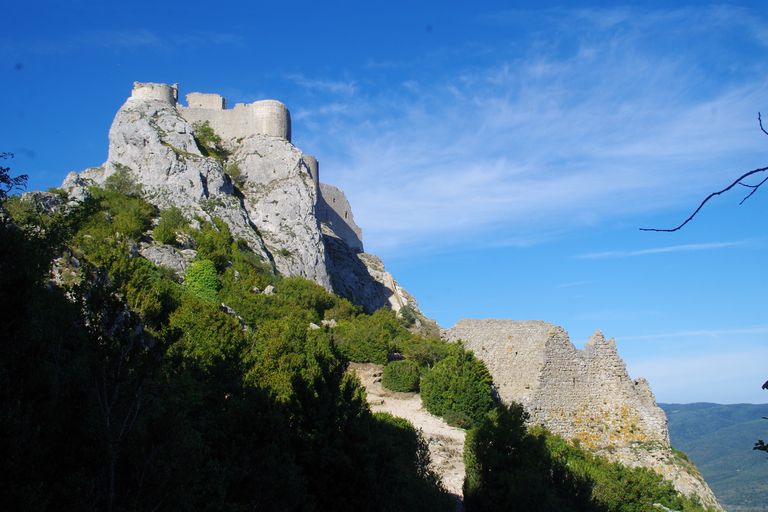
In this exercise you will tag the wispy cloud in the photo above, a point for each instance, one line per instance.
(345, 87)
(623, 122)
(702, 333)
(129, 39)
(660, 250)
(574, 284)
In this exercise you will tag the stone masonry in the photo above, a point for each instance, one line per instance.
(585, 395)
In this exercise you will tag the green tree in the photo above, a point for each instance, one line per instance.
(202, 280)
(458, 388)
(9, 183)
(401, 376)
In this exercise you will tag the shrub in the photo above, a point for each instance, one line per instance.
(202, 280)
(208, 142)
(235, 173)
(369, 339)
(408, 315)
(401, 376)
(458, 387)
(122, 181)
(171, 221)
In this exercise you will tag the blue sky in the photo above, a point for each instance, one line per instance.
(499, 156)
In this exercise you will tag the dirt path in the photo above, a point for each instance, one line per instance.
(446, 443)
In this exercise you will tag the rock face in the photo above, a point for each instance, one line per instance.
(277, 206)
(585, 395)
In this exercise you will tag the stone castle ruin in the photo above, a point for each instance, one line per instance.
(269, 194)
(265, 117)
(585, 395)
(267, 191)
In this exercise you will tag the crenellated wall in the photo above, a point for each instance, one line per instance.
(580, 394)
(265, 117)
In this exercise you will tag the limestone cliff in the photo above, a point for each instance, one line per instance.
(586, 395)
(276, 206)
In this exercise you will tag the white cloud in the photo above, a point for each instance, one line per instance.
(660, 250)
(344, 87)
(545, 140)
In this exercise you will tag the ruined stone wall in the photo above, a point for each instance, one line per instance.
(334, 211)
(265, 117)
(585, 395)
(314, 169)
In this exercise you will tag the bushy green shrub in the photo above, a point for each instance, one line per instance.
(215, 243)
(171, 222)
(202, 280)
(370, 338)
(458, 388)
(401, 376)
(407, 315)
(208, 141)
(122, 181)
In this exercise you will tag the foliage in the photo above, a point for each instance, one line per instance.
(215, 243)
(122, 181)
(208, 141)
(133, 393)
(9, 183)
(202, 280)
(407, 315)
(459, 388)
(512, 468)
(370, 338)
(401, 376)
(235, 173)
(171, 222)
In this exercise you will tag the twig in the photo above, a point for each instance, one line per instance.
(713, 194)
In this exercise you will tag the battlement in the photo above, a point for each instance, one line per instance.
(203, 100)
(265, 117)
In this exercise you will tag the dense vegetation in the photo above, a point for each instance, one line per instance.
(512, 468)
(126, 387)
(401, 376)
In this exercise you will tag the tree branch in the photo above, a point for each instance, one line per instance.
(760, 121)
(713, 194)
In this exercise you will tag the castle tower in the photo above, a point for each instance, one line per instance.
(154, 91)
(314, 169)
(272, 118)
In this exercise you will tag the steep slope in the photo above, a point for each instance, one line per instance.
(276, 206)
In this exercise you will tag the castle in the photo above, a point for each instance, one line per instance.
(265, 117)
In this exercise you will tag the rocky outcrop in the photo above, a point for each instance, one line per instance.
(277, 206)
(280, 198)
(586, 395)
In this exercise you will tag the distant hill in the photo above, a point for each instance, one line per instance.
(719, 439)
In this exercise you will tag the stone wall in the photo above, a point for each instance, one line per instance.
(334, 211)
(579, 394)
(585, 395)
(265, 117)
(166, 93)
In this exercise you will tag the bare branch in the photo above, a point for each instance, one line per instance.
(754, 189)
(760, 121)
(713, 194)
